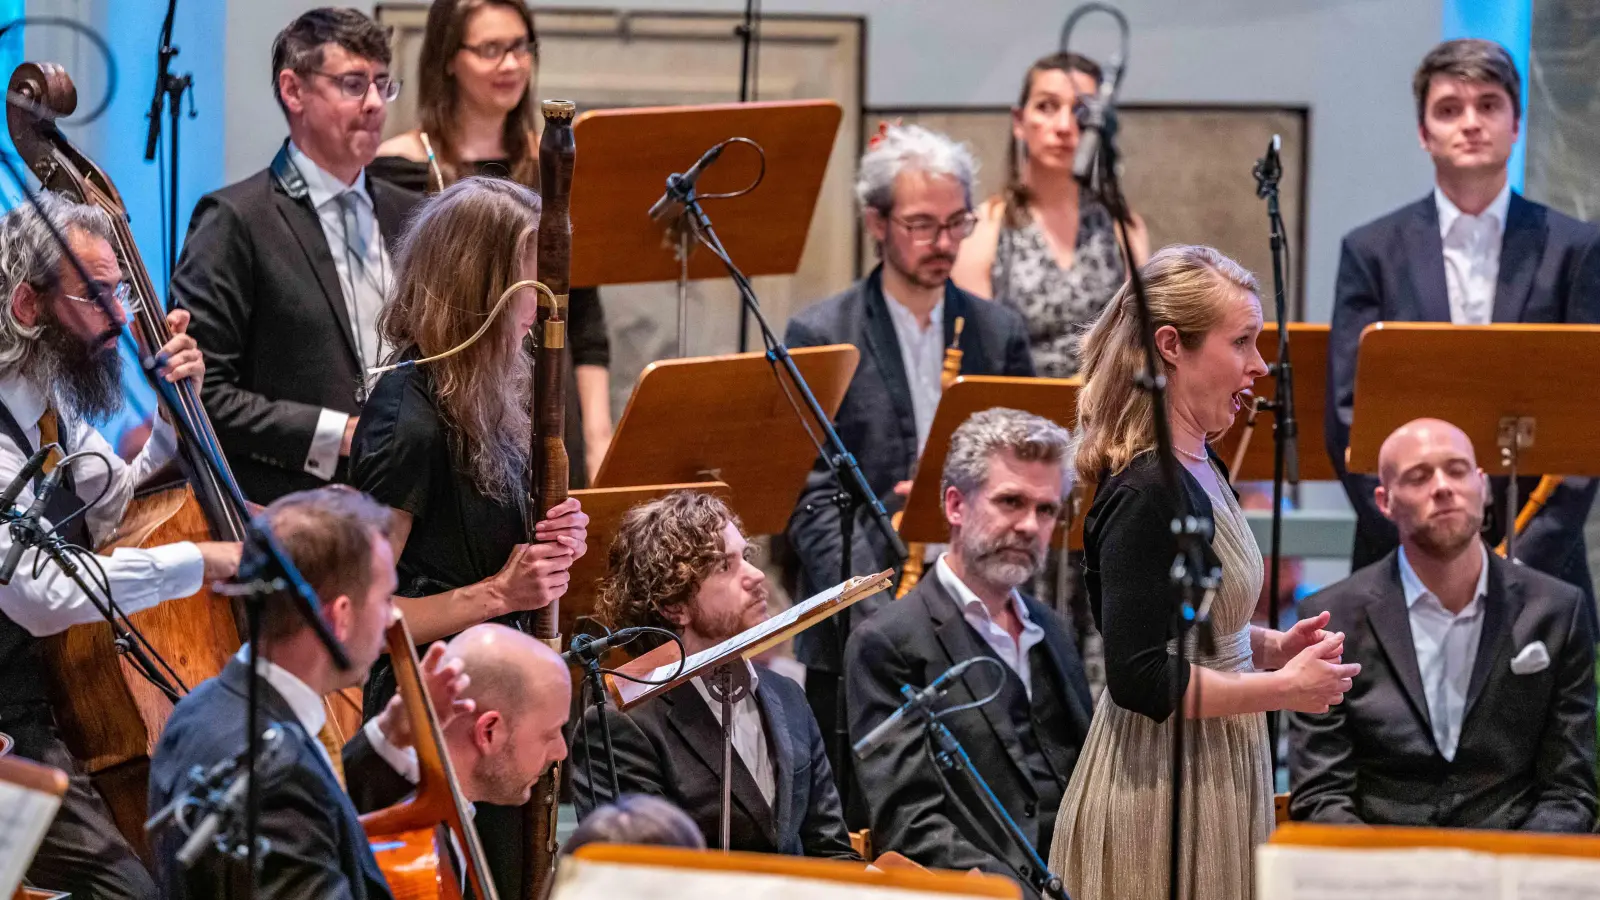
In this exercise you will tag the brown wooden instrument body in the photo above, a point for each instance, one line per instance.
(911, 572)
(410, 840)
(1536, 501)
(107, 713)
(548, 463)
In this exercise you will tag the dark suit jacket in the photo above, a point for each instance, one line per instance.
(1526, 754)
(876, 424)
(913, 641)
(319, 849)
(671, 747)
(1393, 270)
(269, 315)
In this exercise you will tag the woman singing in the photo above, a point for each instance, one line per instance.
(1108, 841)
(1045, 247)
(446, 443)
(478, 114)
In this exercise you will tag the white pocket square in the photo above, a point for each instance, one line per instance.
(1535, 657)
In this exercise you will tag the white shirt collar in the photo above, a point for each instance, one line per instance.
(906, 319)
(304, 702)
(1449, 212)
(322, 185)
(1416, 590)
(24, 398)
(971, 601)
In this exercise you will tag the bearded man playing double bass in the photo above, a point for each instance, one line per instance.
(60, 368)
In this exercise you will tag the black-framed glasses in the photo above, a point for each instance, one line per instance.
(356, 84)
(122, 293)
(495, 51)
(926, 231)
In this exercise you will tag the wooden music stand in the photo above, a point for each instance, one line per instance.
(1055, 399)
(606, 871)
(1308, 349)
(726, 665)
(605, 508)
(30, 794)
(628, 154)
(729, 419)
(1526, 390)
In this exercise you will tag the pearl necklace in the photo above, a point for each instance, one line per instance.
(1197, 457)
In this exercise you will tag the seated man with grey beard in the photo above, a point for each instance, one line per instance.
(1005, 483)
(1476, 702)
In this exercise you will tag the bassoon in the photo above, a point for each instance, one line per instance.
(547, 463)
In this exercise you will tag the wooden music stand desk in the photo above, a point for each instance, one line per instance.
(605, 508)
(627, 155)
(729, 419)
(1308, 349)
(30, 794)
(1524, 394)
(1055, 399)
(604, 871)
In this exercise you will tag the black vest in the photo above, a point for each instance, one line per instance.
(1045, 731)
(22, 673)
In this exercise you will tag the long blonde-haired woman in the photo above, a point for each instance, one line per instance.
(445, 443)
(478, 115)
(1207, 316)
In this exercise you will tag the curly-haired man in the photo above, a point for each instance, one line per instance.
(680, 563)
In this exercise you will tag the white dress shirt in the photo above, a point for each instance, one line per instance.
(1447, 645)
(305, 703)
(749, 736)
(365, 277)
(139, 579)
(922, 353)
(1013, 653)
(1472, 256)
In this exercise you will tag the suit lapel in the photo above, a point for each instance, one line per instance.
(293, 204)
(959, 643)
(1425, 252)
(692, 719)
(390, 206)
(1502, 603)
(884, 345)
(1391, 623)
(780, 743)
(1053, 639)
(1519, 258)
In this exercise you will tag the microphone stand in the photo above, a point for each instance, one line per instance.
(854, 491)
(595, 687)
(1268, 170)
(749, 32)
(169, 91)
(1192, 580)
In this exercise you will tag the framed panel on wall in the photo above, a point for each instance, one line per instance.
(610, 58)
(1187, 171)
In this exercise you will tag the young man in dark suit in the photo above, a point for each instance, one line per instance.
(915, 191)
(1471, 252)
(285, 272)
(1476, 702)
(1005, 482)
(338, 539)
(680, 563)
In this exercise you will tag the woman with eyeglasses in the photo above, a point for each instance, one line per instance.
(1044, 246)
(477, 115)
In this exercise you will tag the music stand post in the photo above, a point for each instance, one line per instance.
(729, 684)
(1492, 382)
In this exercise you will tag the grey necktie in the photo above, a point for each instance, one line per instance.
(355, 239)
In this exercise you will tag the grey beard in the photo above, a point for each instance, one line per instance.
(86, 381)
(985, 563)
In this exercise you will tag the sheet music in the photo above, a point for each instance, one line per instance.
(25, 815)
(581, 879)
(1330, 873)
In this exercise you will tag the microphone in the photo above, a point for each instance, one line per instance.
(1269, 168)
(226, 803)
(30, 471)
(587, 647)
(1097, 120)
(680, 187)
(915, 700)
(29, 520)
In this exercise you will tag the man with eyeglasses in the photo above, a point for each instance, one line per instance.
(287, 271)
(60, 369)
(915, 190)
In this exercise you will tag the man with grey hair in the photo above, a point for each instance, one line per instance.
(915, 190)
(59, 367)
(1006, 480)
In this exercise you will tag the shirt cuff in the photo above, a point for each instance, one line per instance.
(323, 457)
(402, 761)
(172, 571)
